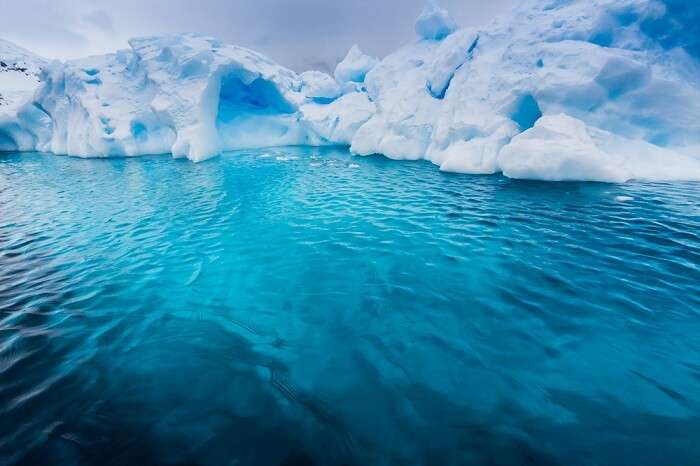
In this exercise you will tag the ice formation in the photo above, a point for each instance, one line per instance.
(354, 66)
(320, 87)
(562, 148)
(472, 102)
(435, 23)
(604, 90)
(19, 79)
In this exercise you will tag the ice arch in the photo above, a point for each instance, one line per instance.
(253, 112)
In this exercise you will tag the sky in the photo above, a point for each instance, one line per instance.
(300, 34)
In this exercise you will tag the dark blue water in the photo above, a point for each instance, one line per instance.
(300, 306)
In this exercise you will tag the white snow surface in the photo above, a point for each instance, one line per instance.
(604, 90)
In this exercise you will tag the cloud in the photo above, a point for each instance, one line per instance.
(299, 34)
(100, 19)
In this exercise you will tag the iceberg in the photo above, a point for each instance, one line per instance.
(471, 101)
(188, 95)
(603, 90)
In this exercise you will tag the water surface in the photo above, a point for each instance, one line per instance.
(301, 306)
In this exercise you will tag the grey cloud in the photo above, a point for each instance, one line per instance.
(300, 34)
(101, 19)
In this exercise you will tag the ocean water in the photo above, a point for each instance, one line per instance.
(304, 307)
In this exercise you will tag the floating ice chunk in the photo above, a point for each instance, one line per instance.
(435, 23)
(354, 66)
(196, 273)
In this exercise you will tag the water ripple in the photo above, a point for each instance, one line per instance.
(298, 306)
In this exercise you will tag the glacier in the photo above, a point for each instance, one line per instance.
(599, 90)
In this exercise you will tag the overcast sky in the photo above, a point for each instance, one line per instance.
(300, 34)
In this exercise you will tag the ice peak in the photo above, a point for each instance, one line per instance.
(435, 22)
(354, 66)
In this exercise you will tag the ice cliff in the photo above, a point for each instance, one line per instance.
(603, 90)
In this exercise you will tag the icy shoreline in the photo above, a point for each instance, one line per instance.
(562, 90)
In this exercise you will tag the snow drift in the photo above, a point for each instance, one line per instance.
(605, 90)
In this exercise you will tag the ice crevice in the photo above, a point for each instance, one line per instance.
(557, 90)
(451, 58)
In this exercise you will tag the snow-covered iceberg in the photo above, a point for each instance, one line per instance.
(603, 90)
(188, 95)
(471, 102)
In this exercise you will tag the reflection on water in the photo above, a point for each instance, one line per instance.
(299, 306)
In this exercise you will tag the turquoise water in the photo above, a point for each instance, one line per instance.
(301, 306)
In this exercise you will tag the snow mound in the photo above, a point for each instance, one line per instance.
(354, 66)
(435, 23)
(604, 90)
